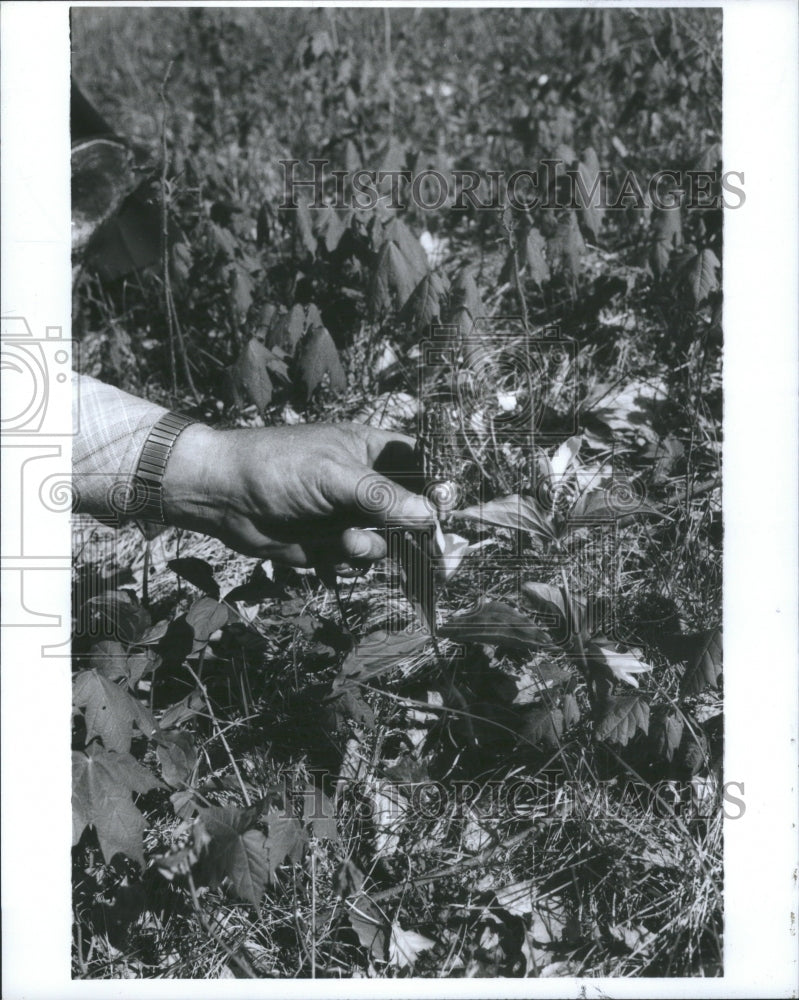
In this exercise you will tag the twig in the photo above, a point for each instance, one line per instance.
(221, 735)
(231, 953)
(176, 344)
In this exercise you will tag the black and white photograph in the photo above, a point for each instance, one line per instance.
(409, 465)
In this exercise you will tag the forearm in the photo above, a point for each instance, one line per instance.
(110, 428)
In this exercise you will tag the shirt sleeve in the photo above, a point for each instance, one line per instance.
(110, 428)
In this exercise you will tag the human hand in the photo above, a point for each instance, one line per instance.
(301, 495)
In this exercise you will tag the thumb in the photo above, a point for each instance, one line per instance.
(372, 499)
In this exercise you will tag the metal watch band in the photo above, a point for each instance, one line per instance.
(152, 463)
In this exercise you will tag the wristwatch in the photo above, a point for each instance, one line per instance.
(152, 464)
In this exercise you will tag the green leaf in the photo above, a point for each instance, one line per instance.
(319, 814)
(365, 917)
(241, 291)
(317, 357)
(536, 681)
(197, 572)
(183, 710)
(286, 840)
(177, 756)
(110, 712)
(542, 725)
(258, 588)
(404, 947)
(466, 295)
(613, 503)
(109, 658)
(286, 330)
(103, 783)
(304, 226)
(591, 213)
(393, 280)
(623, 666)
(534, 257)
(381, 651)
(624, 715)
(701, 277)
(665, 734)
(249, 376)
(513, 511)
(547, 600)
(566, 247)
(206, 616)
(412, 249)
(115, 616)
(571, 711)
(424, 305)
(348, 703)
(703, 651)
(666, 237)
(497, 624)
(330, 224)
(244, 854)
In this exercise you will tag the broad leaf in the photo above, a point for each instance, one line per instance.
(381, 651)
(466, 295)
(206, 616)
(103, 783)
(109, 658)
(393, 280)
(703, 652)
(347, 703)
(249, 377)
(115, 616)
(534, 257)
(566, 247)
(591, 212)
(287, 329)
(330, 224)
(259, 587)
(513, 511)
(571, 711)
(317, 357)
(665, 734)
(623, 666)
(451, 555)
(532, 684)
(666, 237)
(547, 600)
(183, 710)
(404, 947)
(497, 624)
(319, 814)
(701, 276)
(424, 305)
(110, 711)
(412, 249)
(177, 756)
(365, 917)
(197, 572)
(304, 226)
(518, 898)
(623, 716)
(542, 725)
(612, 503)
(286, 840)
(243, 853)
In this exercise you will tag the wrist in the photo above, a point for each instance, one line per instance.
(194, 496)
